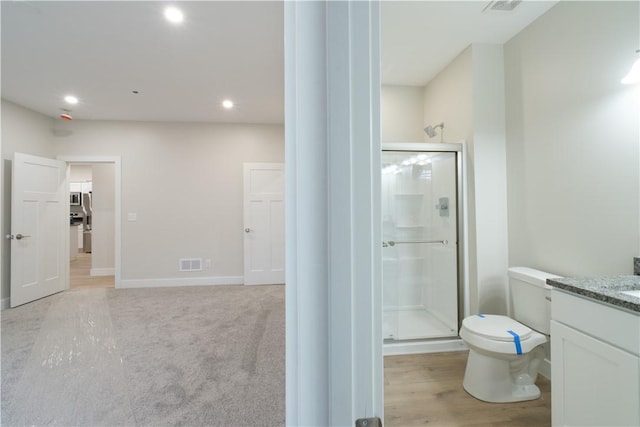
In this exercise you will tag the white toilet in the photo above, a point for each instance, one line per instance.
(504, 354)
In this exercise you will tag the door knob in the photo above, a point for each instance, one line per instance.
(246, 230)
(17, 236)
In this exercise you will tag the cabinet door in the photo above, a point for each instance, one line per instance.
(593, 383)
(87, 187)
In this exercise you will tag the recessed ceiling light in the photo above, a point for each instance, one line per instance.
(173, 14)
(70, 99)
(228, 104)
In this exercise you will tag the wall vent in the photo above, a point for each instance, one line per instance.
(503, 5)
(191, 264)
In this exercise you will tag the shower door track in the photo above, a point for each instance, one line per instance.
(401, 242)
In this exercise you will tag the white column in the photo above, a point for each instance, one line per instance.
(307, 341)
(490, 165)
(334, 338)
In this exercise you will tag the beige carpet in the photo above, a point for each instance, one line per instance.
(167, 356)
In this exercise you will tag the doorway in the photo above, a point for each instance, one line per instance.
(99, 265)
(91, 223)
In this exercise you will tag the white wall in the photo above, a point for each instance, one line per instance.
(573, 143)
(566, 143)
(23, 131)
(401, 113)
(183, 181)
(448, 98)
(103, 220)
(80, 173)
(490, 175)
(184, 184)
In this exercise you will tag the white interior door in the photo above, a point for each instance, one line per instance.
(39, 228)
(264, 223)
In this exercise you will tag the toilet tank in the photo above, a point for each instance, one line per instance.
(531, 297)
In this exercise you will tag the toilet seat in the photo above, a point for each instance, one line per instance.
(499, 334)
(496, 327)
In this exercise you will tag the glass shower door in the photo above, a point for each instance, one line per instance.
(420, 245)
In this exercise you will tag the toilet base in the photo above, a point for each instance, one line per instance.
(500, 379)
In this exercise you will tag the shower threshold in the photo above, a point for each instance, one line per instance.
(412, 324)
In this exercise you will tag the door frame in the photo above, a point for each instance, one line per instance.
(333, 230)
(117, 162)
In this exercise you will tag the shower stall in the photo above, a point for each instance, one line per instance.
(422, 245)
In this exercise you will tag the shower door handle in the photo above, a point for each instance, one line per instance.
(443, 206)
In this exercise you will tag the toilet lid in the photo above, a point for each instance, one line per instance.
(496, 327)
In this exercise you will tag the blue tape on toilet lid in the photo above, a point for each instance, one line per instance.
(496, 327)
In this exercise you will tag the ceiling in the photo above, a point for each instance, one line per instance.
(103, 51)
(419, 38)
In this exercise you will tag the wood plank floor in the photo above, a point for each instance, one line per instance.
(80, 278)
(426, 390)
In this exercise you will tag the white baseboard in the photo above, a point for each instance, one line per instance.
(197, 281)
(417, 347)
(102, 271)
(4, 303)
(545, 369)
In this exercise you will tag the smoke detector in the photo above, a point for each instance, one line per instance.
(503, 5)
(66, 115)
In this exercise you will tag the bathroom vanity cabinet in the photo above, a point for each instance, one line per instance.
(595, 355)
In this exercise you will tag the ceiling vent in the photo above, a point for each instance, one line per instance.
(503, 5)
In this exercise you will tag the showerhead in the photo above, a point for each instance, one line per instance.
(431, 130)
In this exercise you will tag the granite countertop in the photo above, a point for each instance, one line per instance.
(604, 289)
